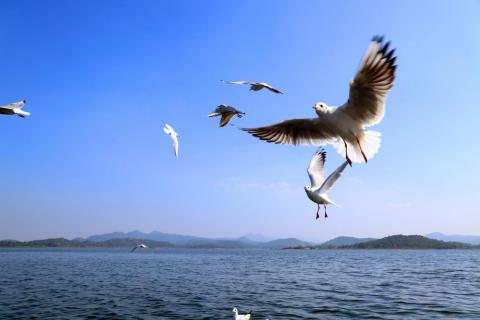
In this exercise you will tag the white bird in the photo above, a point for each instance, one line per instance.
(318, 189)
(169, 130)
(15, 108)
(241, 316)
(255, 86)
(139, 246)
(227, 113)
(345, 126)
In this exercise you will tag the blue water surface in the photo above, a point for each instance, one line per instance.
(207, 284)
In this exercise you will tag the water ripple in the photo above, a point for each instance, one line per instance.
(206, 284)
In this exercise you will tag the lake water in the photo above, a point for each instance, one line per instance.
(207, 284)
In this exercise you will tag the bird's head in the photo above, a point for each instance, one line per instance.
(240, 114)
(321, 108)
(308, 189)
(235, 310)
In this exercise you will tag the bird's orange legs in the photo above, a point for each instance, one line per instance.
(346, 153)
(363, 154)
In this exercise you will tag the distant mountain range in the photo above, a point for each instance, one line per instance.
(78, 243)
(454, 237)
(158, 239)
(409, 242)
(247, 241)
(344, 241)
(397, 242)
(176, 239)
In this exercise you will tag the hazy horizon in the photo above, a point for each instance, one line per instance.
(248, 235)
(92, 158)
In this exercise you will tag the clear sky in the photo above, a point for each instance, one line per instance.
(100, 75)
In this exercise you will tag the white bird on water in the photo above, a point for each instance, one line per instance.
(241, 316)
(255, 86)
(173, 135)
(139, 246)
(15, 108)
(318, 189)
(227, 112)
(345, 126)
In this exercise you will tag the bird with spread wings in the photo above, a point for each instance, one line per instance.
(255, 86)
(345, 126)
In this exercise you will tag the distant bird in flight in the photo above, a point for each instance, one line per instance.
(241, 316)
(169, 130)
(15, 108)
(227, 113)
(255, 86)
(345, 126)
(139, 246)
(318, 189)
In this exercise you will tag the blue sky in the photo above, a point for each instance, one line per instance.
(100, 75)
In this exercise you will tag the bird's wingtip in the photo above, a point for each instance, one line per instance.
(378, 38)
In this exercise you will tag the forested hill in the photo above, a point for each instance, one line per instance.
(408, 242)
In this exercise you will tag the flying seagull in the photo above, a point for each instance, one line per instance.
(15, 108)
(241, 316)
(169, 130)
(255, 86)
(139, 246)
(227, 113)
(345, 126)
(318, 189)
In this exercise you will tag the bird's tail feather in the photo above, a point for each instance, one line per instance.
(370, 141)
(330, 202)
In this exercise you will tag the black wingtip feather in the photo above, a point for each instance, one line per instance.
(390, 54)
(385, 48)
(378, 38)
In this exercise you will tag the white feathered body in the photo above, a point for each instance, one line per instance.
(241, 316)
(319, 198)
(350, 130)
(238, 316)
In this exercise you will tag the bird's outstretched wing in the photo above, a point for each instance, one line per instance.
(175, 144)
(315, 168)
(238, 82)
(134, 248)
(332, 178)
(296, 132)
(225, 108)
(174, 136)
(15, 105)
(269, 87)
(374, 79)
(226, 118)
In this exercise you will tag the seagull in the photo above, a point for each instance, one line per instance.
(139, 246)
(255, 86)
(169, 130)
(241, 316)
(15, 108)
(345, 126)
(227, 113)
(318, 189)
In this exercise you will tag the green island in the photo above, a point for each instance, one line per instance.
(393, 242)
